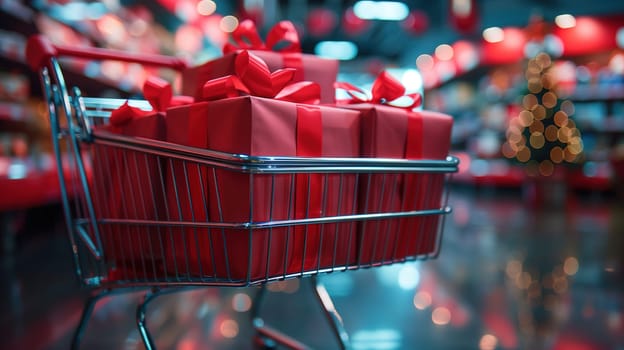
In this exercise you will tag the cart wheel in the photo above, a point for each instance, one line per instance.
(264, 343)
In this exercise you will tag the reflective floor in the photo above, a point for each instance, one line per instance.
(513, 273)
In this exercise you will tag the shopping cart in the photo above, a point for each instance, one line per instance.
(178, 230)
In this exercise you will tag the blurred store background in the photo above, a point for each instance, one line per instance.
(533, 254)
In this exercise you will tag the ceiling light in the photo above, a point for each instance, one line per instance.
(565, 21)
(381, 10)
(493, 35)
(340, 50)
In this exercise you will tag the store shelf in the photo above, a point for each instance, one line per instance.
(27, 184)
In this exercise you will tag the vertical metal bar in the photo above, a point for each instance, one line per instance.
(319, 255)
(56, 135)
(58, 75)
(223, 235)
(180, 218)
(270, 233)
(150, 229)
(353, 224)
(194, 228)
(290, 230)
(161, 238)
(337, 231)
(203, 183)
(330, 312)
(250, 230)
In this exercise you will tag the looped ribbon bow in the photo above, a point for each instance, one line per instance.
(386, 90)
(158, 93)
(282, 37)
(253, 77)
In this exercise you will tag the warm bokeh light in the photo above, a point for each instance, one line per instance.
(537, 140)
(526, 118)
(536, 126)
(539, 112)
(508, 150)
(529, 101)
(565, 21)
(570, 266)
(548, 81)
(524, 154)
(228, 24)
(493, 34)
(549, 99)
(206, 7)
(551, 133)
(556, 154)
(543, 60)
(229, 328)
(441, 316)
(444, 52)
(561, 118)
(422, 300)
(488, 342)
(424, 62)
(535, 85)
(564, 134)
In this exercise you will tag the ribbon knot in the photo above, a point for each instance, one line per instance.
(386, 90)
(282, 37)
(253, 77)
(158, 93)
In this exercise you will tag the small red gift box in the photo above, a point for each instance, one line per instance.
(257, 126)
(128, 184)
(273, 52)
(397, 131)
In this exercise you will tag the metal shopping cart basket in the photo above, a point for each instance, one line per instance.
(175, 220)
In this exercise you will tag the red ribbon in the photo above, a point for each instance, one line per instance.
(308, 187)
(386, 90)
(282, 37)
(158, 93)
(253, 77)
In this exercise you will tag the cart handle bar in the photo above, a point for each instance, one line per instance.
(39, 51)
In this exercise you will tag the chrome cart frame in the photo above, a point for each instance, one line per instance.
(163, 224)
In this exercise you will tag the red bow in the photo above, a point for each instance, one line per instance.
(386, 90)
(158, 93)
(282, 37)
(253, 77)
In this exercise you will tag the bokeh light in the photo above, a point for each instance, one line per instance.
(422, 300)
(441, 316)
(570, 266)
(228, 24)
(228, 328)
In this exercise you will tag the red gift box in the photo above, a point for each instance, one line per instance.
(392, 129)
(257, 126)
(128, 184)
(274, 52)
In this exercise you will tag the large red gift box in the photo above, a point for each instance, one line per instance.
(398, 131)
(307, 67)
(264, 127)
(128, 185)
(257, 126)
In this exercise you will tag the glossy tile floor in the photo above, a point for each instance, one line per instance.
(510, 276)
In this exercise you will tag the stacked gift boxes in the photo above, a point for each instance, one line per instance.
(259, 102)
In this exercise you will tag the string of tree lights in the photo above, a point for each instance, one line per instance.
(544, 133)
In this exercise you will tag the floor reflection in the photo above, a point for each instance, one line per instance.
(510, 276)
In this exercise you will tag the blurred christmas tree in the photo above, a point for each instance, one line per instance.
(544, 134)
